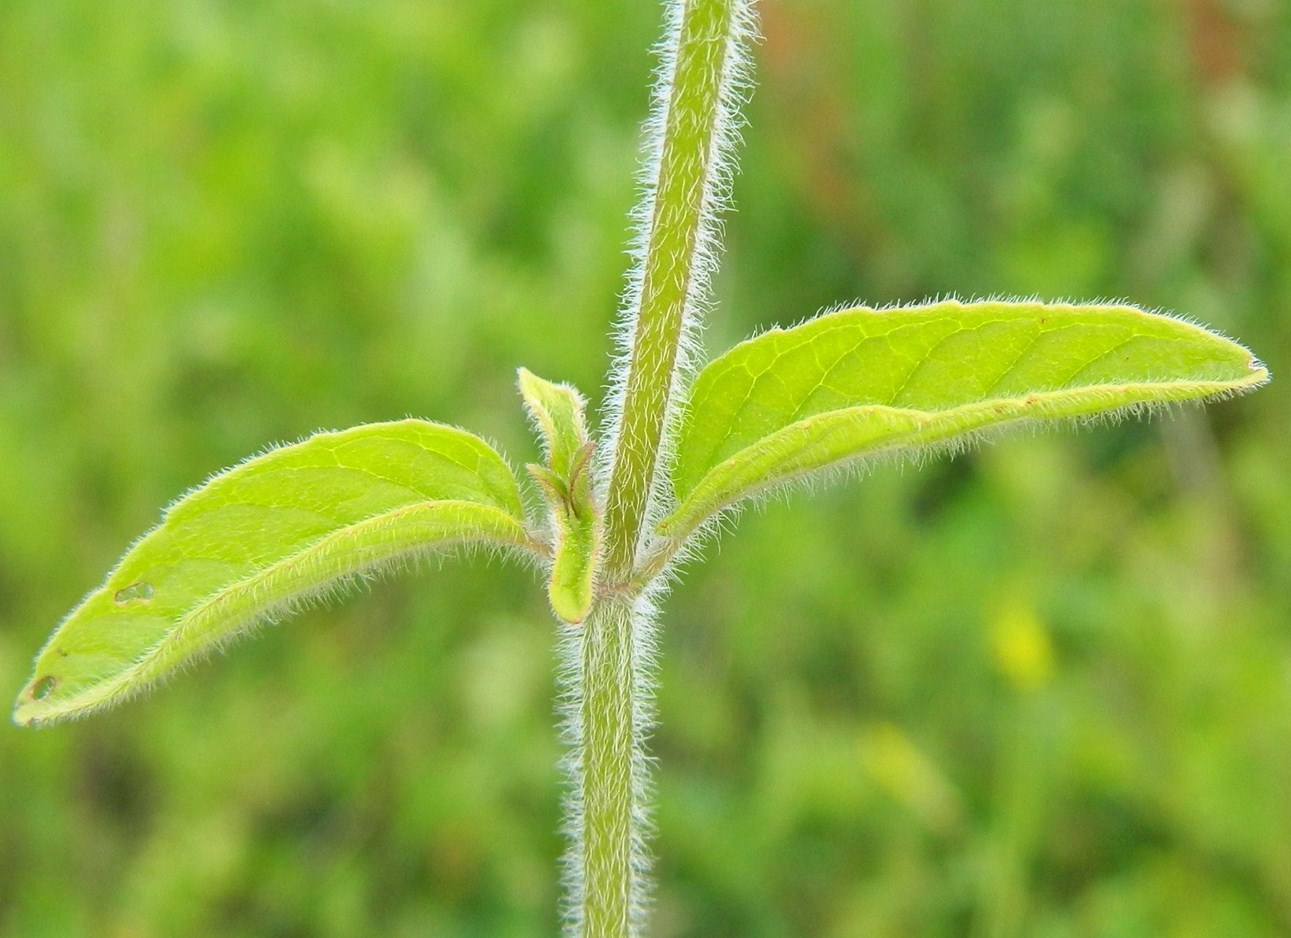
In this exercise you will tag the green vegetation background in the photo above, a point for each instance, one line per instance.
(1042, 690)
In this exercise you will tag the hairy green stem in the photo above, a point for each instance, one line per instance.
(610, 739)
(689, 131)
(680, 204)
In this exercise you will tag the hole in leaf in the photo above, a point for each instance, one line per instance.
(139, 592)
(44, 687)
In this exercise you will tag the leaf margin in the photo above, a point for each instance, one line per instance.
(693, 509)
(499, 526)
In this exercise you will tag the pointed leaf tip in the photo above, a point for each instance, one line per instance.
(264, 537)
(858, 382)
(557, 410)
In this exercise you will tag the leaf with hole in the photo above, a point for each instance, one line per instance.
(860, 382)
(261, 539)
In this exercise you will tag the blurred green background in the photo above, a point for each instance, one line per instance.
(1044, 689)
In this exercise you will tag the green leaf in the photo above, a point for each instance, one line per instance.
(574, 564)
(557, 409)
(859, 382)
(259, 540)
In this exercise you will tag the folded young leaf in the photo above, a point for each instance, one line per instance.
(557, 409)
(260, 539)
(859, 382)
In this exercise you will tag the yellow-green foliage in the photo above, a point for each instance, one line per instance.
(1040, 689)
(859, 383)
(566, 482)
(266, 537)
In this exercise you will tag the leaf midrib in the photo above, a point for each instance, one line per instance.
(1205, 389)
(814, 335)
(100, 692)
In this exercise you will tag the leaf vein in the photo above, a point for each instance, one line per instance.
(921, 363)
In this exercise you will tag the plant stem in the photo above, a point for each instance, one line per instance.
(610, 739)
(691, 125)
(689, 131)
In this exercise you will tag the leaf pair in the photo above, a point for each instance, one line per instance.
(299, 522)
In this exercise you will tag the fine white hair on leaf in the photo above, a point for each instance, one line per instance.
(899, 456)
(1010, 300)
(269, 607)
(1044, 407)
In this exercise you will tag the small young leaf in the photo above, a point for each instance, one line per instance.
(858, 382)
(574, 564)
(258, 540)
(557, 409)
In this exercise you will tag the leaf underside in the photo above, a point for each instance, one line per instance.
(861, 382)
(260, 539)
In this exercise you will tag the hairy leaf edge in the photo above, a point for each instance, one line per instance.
(288, 579)
(694, 510)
